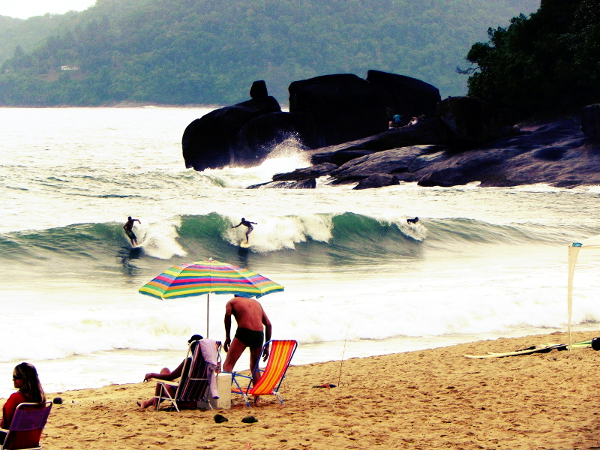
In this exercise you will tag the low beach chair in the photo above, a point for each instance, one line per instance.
(26, 427)
(194, 384)
(272, 376)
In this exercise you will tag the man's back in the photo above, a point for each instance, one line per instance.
(248, 313)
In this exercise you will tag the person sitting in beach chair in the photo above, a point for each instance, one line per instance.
(197, 373)
(25, 412)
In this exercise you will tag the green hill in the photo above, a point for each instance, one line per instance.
(209, 51)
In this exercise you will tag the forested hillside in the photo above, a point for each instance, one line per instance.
(546, 63)
(28, 34)
(210, 51)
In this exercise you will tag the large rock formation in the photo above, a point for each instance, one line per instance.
(210, 142)
(344, 107)
(410, 97)
(555, 153)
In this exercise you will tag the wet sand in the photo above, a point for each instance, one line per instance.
(428, 399)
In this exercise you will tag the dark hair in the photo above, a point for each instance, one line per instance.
(195, 337)
(32, 388)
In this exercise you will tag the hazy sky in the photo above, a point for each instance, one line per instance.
(27, 8)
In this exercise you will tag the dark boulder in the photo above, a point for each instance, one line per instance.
(387, 162)
(259, 89)
(344, 106)
(306, 173)
(260, 135)
(411, 97)
(209, 142)
(590, 121)
(466, 122)
(304, 184)
(338, 157)
(377, 180)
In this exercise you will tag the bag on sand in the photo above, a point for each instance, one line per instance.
(596, 343)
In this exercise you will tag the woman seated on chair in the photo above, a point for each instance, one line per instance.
(25, 379)
(167, 375)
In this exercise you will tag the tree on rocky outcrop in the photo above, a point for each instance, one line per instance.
(542, 64)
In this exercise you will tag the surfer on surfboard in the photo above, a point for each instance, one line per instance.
(128, 227)
(249, 227)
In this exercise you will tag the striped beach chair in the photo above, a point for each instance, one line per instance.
(194, 384)
(272, 376)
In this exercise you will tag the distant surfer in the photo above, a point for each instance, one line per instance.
(128, 227)
(412, 221)
(249, 227)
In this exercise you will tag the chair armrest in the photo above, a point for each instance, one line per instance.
(169, 383)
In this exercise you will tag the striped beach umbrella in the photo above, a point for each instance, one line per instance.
(204, 277)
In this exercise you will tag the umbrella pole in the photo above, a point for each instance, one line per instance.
(207, 315)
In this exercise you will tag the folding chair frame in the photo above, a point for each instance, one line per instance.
(245, 392)
(186, 369)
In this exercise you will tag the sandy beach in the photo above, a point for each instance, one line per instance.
(423, 400)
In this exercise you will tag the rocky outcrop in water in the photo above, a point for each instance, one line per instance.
(555, 153)
(325, 110)
(211, 141)
(465, 141)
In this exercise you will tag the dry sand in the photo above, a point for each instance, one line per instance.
(430, 399)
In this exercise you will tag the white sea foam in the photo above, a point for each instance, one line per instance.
(276, 233)
(158, 240)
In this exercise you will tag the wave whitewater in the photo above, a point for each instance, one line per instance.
(324, 238)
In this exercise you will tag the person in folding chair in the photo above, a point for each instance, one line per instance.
(25, 379)
(250, 318)
(167, 375)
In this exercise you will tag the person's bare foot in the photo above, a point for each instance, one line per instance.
(146, 404)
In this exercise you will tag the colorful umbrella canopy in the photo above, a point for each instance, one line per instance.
(204, 277)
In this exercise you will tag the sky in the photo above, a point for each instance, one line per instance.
(24, 9)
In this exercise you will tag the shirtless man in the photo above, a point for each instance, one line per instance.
(249, 227)
(250, 318)
(128, 227)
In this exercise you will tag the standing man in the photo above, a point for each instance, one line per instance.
(128, 227)
(250, 318)
(249, 227)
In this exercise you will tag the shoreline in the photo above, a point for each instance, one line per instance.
(422, 399)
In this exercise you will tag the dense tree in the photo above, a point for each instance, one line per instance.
(542, 64)
(210, 51)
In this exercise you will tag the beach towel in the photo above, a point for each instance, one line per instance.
(209, 352)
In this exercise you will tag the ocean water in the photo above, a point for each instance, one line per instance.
(359, 281)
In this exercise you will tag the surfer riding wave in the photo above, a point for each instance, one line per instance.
(249, 227)
(128, 227)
